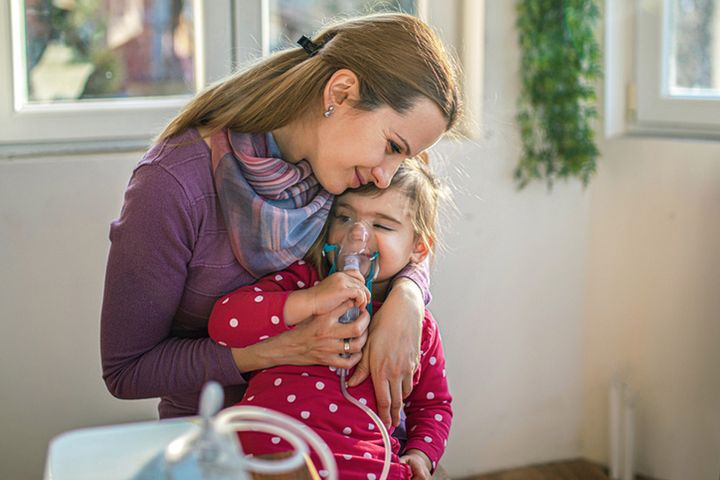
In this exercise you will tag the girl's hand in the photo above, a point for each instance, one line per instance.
(339, 287)
(392, 352)
(319, 340)
(419, 463)
(329, 294)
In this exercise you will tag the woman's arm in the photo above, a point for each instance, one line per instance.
(429, 406)
(152, 244)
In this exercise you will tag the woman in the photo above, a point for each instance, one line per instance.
(240, 183)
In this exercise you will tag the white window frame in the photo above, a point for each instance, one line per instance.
(236, 30)
(637, 101)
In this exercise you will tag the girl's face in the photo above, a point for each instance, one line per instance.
(388, 218)
(355, 147)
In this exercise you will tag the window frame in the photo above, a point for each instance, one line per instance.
(636, 102)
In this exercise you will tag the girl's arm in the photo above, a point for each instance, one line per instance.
(428, 408)
(147, 269)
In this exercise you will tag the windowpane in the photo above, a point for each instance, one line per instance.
(694, 68)
(107, 49)
(290, 19)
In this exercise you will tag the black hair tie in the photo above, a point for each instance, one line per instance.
(310, 47)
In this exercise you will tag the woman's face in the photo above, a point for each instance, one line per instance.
(355, 147)
(388, 220)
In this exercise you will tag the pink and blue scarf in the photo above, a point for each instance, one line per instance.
(274, 210)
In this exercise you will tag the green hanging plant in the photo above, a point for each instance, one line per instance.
(560, 64)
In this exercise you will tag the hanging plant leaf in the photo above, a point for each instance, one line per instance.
(560, 64)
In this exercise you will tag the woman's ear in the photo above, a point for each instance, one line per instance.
(421, 250)
(342, 86)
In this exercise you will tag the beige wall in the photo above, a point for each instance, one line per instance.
(653, 311)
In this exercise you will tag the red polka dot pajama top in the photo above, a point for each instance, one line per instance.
(312, 394)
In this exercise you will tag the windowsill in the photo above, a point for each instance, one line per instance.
(38, 149)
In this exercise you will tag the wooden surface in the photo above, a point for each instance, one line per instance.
(567, 470)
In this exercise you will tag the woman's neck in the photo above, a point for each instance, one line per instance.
(295, 140)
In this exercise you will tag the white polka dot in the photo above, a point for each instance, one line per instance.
(422, 409)
(316, 282)
(413, 428)
(305, 414)
(443, 372)
(430, 395)
(427, 439)
(275, 440)
(275, 319)
(264, 337)
(234, 322)
(407, 404)
(300, 284)
(367, 455)
(433, 360)
(371, 476)
(434, 465)
(444, 401)
(371, 426)
(324, 473)
(347, 431)
(445, 442)
(346, 456)
(305, 374)
(259, 299)
(277, 382)
(332, 369)
(422, 353)
(332, 407)
(223, 344)
(278, 277)
(250, 398)
(301, 262)
(227, 299)
(319, 385)
(362, 400)
(257, 289)
(438, 417)
(291, 398)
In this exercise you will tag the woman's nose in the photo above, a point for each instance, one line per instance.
(383, 174)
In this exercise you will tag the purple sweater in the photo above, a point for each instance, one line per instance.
(170, 259)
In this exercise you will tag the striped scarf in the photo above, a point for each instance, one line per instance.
(274, 210)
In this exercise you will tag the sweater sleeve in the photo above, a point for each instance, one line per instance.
(420, 274)
(255, 312)
(428, 408)
(151, 246)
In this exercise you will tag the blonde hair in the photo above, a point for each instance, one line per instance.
(424, 192)
(396, 57)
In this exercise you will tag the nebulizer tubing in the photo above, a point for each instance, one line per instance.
(259, 419)
(216, 444)
(349, 257)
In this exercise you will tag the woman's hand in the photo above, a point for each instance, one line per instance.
(329, 294)
(393, 351)
(419, 464)
(319, 340)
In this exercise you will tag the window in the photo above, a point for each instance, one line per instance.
(672, 85)
(84, 75)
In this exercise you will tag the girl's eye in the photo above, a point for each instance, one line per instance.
(342, 218)
(394, 147)
(383, 227)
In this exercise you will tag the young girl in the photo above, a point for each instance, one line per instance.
(399, 223)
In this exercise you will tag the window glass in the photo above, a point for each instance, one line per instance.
(107, 49)
(290, 19)
(694, 34)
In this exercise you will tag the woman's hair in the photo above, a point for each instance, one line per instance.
(424, 193)
(396, 57)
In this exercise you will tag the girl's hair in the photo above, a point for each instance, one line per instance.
(424, 193)
(396, 57)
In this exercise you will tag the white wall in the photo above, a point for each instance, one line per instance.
(653, 312)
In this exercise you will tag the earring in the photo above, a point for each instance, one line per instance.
(329, 111)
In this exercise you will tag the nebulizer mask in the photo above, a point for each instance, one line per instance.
(353, 254)
(213, 451)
